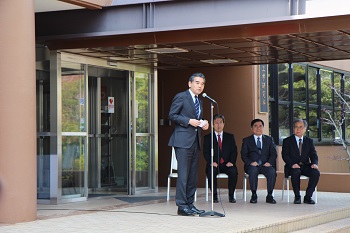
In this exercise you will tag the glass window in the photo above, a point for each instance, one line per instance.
(283, 91)
(283, 121)
(337, 90)
(299, 83)
(326, 83)
(299, 112)
(313, 129)
(73, 98)
(312, 81)
(317, 91)
(327, 130)
(142, 98)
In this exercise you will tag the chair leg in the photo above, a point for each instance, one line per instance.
(287, 181)
(283, 186)
(316, 194)
(245, 189)
(206, 189)
(168, 190)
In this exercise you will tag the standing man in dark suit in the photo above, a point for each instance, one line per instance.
(299, 154)
(186, 112)
(259, 156)
(225, 156)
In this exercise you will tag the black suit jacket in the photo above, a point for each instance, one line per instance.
(181, 111)
(229, 149)
(291, 156)
(250, 152)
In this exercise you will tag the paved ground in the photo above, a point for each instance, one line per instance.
(154, 214)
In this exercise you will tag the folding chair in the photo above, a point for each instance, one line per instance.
(219, 176)
(286, 182)
(246, 176)
(173, 173)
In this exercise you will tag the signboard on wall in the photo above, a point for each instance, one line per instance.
(110, 104)
(263, 95)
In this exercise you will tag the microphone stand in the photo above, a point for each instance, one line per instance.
(212, 212)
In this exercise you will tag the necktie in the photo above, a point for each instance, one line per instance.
(300, 145)
(219, 142)
(258, 144)
(196, 104)
(220, 146)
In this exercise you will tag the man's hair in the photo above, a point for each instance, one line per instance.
(191, 79)
(216, 116)
(256, 120)
(300, 120)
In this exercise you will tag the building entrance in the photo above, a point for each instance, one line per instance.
(108, 131)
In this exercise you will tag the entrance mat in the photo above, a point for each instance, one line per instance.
(140, 199)
(100, 194)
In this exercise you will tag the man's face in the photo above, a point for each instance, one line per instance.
(299, 129)
(218, 125)
(258, 128)
(197, 86)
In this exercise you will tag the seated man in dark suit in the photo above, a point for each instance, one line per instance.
(225, 156)
(299, 154)
(259, 156)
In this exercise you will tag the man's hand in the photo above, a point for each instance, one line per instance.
(229, 164)
(215, 164)
(206, 125)
(296, 166)
(255, 164)
(314, 166)
(267, 164)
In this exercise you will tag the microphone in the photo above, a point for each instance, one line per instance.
(208, 97)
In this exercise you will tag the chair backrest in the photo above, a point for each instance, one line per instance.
(173, 163)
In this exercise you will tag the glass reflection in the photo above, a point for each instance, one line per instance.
(72, 165)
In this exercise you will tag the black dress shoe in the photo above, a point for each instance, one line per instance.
(196, 211)
(270, 199)
(297, 200)
(185, 212)
(308, 200)
(215, 200)
(254, 198)
(232, 200)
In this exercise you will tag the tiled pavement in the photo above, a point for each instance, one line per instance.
(109, 214)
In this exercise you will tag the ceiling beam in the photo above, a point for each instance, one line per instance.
(91, 5)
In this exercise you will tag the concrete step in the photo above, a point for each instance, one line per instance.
(310, 223)
(338, 226)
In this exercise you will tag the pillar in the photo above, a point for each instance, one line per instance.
(17, 112)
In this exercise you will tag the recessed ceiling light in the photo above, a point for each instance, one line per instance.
(219, 61)
(167, 50)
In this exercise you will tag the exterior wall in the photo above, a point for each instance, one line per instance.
(17, 112)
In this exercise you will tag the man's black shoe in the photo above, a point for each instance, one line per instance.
(196, 211)
(297, 200)
(232, 200)
(254, 198)
(270, 199)
(308, 200)
(216, 200)
(185, 212)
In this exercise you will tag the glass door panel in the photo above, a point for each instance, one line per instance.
(142, 159)
(74, 134)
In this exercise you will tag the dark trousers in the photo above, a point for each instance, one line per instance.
(231, 172)
(313, 174)
(268, 172)
(187, 170)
